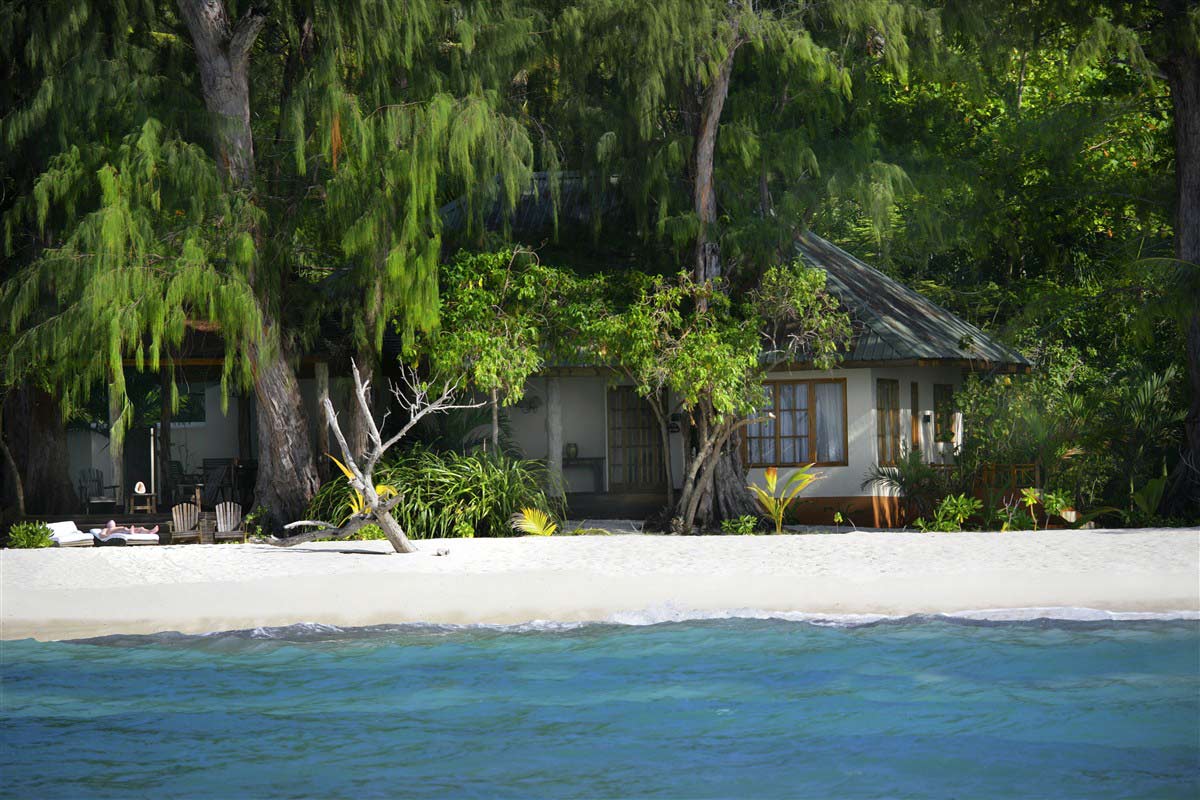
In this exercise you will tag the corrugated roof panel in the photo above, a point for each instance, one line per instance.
(897, 323)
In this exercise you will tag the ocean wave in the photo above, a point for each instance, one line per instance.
(666, 615)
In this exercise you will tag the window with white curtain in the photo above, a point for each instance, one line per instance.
(809, 425)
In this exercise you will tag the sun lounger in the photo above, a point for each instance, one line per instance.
(65, 534)
(103, 539)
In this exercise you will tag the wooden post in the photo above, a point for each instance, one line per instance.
(321, 372)
(166, 490)
(554, 436)
(116, 444)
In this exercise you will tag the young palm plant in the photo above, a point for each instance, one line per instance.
(534, 522)
(776, 505)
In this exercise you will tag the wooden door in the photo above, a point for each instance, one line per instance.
(635, 461)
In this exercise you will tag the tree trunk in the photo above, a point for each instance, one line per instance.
(733, 499)
(321, 374)
(116, 443)
(287, 474)
(37, 447)
(495, 421)
(13, 474)
(223, 56)
(1183, 76)
(704, 200)
(554, 437)
(394, 533)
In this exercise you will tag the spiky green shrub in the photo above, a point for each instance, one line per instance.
(448, 495)
(28, 535)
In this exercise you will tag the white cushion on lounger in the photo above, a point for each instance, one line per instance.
(65, 534)
(130, 538)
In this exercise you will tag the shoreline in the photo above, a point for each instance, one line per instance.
(61, 594)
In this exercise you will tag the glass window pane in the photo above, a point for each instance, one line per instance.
(831, 422)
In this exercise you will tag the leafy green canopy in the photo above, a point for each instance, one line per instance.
(505, 315)
(633, 78)
(125, 234)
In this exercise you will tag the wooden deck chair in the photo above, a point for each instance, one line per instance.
(185, 523)
(229, 522)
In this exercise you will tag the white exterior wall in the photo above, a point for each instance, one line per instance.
(861, 423)
(216, 437)
(585, 409)
(88, 449)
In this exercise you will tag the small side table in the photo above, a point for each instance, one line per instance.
(143, 503)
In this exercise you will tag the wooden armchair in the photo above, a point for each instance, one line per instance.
(185, 523)
(229, 522)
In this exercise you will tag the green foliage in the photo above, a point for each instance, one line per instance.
(1031, 496)
(951, 514)
(776, 504)
(1092, 433)
(918, 482)
(1146, 501)
(252, 523)
(121, 229)
(534, 521)
(370, 533)
(499, 313)
(745, 525)
(29, 535)
(446, 495)
(588, 532)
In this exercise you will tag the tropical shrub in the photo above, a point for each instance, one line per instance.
(951, 514)
(776, 505)
(29, 535)
(916, 481)
(447, 495)
(744, 525)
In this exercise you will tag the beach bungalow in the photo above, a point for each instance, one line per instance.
(894, 392)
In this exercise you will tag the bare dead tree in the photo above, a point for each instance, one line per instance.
(414, 396)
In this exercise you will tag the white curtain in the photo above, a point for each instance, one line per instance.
(831, 422)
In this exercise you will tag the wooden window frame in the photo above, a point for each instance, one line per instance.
(810, 384)
(894, 414)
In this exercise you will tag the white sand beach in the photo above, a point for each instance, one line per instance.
(72, 593)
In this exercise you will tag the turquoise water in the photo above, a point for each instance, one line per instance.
(731, 708)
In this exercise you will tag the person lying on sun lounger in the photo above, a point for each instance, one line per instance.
(112, 527)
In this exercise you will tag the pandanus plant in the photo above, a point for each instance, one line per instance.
(358, 503)
(776, 504)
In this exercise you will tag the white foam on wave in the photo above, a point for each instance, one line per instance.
(290, 631)
(667, 614)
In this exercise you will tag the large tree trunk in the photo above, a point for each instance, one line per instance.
(223, 56)
(707, 255)
(37, 444)
(1183, 76)
(287, 475)
(707, 258)
(10, 476)
(733, 499)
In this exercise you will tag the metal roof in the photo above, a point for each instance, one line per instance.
(895, 323)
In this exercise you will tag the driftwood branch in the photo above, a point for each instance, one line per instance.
(377, 511)
(327, 530)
